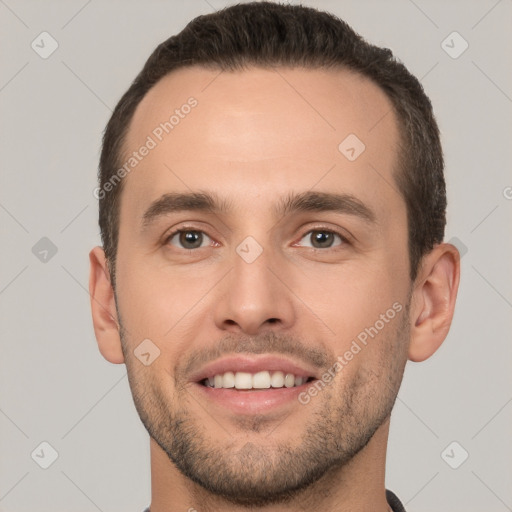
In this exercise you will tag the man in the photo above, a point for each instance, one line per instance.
(272, 210)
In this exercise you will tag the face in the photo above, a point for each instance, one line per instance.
(254, 241)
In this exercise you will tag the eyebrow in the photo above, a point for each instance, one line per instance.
(292, 203)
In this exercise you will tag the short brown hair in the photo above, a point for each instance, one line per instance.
(267, 34)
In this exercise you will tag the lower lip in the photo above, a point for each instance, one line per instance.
(252, 401)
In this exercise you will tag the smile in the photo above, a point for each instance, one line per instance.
(255, 381)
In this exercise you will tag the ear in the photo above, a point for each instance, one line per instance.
(433, 300)
(103, 306)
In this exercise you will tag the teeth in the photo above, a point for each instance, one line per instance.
(277, 380)
(227, 380)
(243, 380)
(259, 380)
(289, 380)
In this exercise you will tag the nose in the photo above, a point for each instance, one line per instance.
(254, 296)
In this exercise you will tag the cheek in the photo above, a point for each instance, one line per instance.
(160, 302)
(350, 298)
(375, 355)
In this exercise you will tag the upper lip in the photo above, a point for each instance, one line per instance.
(252, 364)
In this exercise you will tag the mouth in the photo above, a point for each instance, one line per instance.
(259, 381)
(246, 385)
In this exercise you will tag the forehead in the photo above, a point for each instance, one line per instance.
(262, 132)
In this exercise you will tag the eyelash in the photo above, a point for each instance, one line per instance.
(322, 229)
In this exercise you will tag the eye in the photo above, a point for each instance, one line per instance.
(322, 239)
(189, 239)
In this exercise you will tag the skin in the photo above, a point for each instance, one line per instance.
(252, 139)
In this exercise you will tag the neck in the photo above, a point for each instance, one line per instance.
(359, 485)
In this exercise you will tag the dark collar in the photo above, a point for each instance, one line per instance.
(393, 502)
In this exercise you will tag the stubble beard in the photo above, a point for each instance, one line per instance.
(345, 417)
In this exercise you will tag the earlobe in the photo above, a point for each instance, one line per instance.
(103, 307)
(433, 301)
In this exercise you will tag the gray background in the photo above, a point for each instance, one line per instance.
(54, 384)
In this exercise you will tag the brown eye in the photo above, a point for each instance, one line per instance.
(189, 239)
(322, 239)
